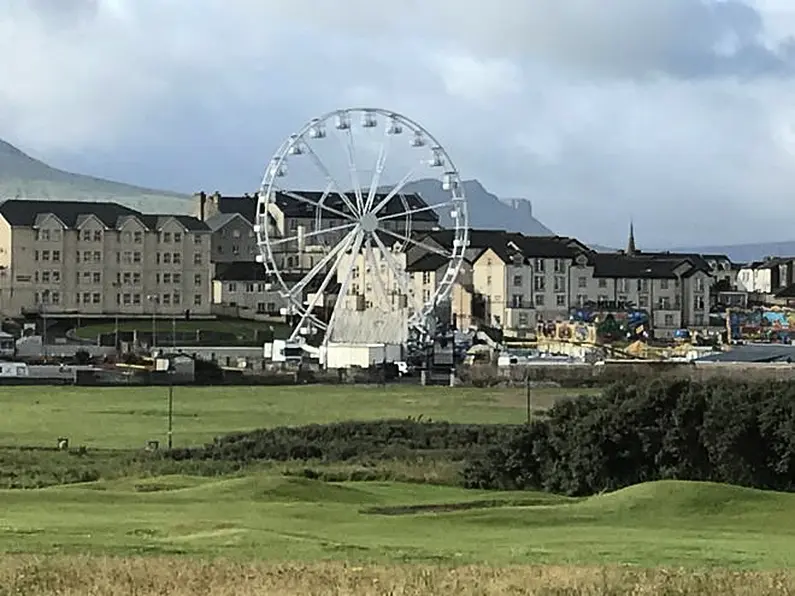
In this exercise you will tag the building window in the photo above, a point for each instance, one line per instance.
(669, 320)
(602, 283)
(232, 287)
(97, 235)
(560, 300)
(426, 277)
(539, 300)
(699, 303)
(126, 298)
(166, 278)
(560, 283)
(136, 299)
(166, 237)
(260, 308)
(665, 303)
(663, 284)
(138, 237)
(126, 237)
(86, 236)
(136, 279)
(56, 256)
(582, 282)
(539, 283)
(699, 284)
(197, 279)
(177, 258)
(56, 277)
(197, 300)
(197, 239)
(250, 288)
(197, 258)
(177, 278)
(96, 298)
(166, 258)
(517, 280)
(45, 255)
(97, 256)
(516, 301)
(166, 299)
(45, 276)
(177, 237)
(643, 285)
(136, 257)
(522, 319)
(97, 277)
(127, 277)
(643, 301)
(560, 266)
(540, 265)
(177, 298)
(86, 297)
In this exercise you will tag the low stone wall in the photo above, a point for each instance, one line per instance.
(589, 375)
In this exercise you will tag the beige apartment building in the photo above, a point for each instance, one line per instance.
(100, 259)
(514, 282)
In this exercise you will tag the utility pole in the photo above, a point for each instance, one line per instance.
(528, 397)
(170, 411)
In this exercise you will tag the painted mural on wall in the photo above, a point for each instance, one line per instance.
(776, 325)
(614, 325)
(593, 326)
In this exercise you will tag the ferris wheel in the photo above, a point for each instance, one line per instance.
(337, 230)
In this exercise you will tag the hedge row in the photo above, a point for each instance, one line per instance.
(722, 431)
(346, 441)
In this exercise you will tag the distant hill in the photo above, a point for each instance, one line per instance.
(745, 253)
(24, 177)
(486, 210)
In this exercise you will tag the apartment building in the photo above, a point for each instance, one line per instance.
(99, 259)
(517, 281)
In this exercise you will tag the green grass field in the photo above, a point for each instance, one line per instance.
(271, 512)
(266, 516)
(129, 417)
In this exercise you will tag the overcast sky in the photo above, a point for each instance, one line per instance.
(677, 113)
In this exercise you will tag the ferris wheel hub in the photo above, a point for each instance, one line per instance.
(369, 222)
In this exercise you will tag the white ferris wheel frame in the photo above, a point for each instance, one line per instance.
(363, 219)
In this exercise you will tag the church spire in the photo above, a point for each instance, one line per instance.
(631, 250)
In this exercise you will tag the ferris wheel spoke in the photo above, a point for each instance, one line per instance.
(391, 194)
(379, 169)
(295, 196)
(418, 244)
(330, 179)
(343, 291)
(320, 292)
(313, 234)
(418, 210)
(369, 254)
(350, 149)
(333, 254)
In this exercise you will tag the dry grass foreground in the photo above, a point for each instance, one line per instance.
(143, 576)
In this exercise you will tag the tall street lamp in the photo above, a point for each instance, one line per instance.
(153, 299)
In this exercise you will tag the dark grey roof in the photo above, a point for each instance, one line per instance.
(754, 353)
(503, 243)
(251, 271)
(27, 213)
(643, 266)
(428, 262)
(246, 205)
(241, 271)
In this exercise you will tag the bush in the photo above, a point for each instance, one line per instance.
(348, 441)
(721, 431)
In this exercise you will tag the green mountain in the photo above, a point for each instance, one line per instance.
(23, 177)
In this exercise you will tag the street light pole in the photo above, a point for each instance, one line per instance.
(170, 411)
(44, 297)
(153, 299)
